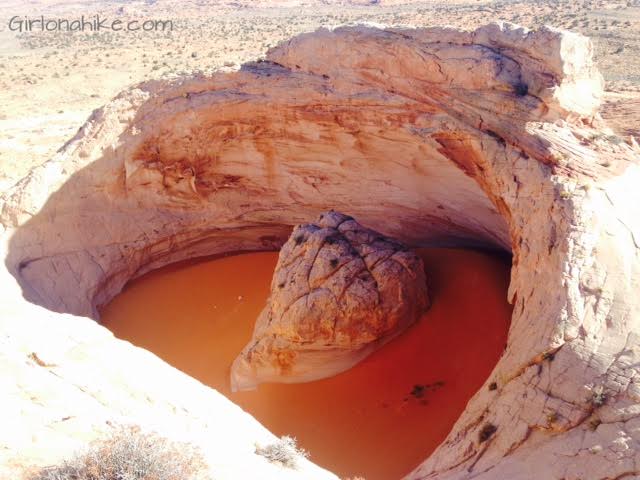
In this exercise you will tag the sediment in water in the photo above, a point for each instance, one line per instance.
(378, 419)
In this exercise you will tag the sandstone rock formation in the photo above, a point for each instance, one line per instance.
(339, 291)
(433, 136)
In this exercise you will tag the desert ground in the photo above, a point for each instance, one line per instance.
(51, 81)
(488, 140)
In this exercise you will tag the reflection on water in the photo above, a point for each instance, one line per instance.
(378, 420)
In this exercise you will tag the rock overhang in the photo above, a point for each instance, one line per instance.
(443, 137)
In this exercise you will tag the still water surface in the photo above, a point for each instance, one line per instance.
(378, 420)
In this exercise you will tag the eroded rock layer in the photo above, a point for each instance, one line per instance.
(338, 292)
(432, 136)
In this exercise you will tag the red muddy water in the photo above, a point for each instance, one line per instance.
(378, 420)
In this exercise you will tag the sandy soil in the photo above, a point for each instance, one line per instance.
(51, 81)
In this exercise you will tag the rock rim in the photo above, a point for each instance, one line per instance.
(433, 136)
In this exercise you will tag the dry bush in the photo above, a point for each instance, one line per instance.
(284, 451)
(130, 454)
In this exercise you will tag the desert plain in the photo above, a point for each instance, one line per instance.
(51, 81)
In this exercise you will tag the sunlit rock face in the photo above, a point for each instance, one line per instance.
(339, 291)
(432, 136)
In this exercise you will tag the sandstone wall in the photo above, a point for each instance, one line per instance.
(434, 136)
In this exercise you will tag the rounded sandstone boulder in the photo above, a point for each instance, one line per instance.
(339, 291)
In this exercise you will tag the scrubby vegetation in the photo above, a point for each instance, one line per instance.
(130, 454)
(44, 73)
(284, 451)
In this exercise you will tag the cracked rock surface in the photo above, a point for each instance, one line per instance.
(338, 292)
